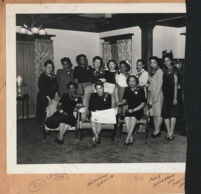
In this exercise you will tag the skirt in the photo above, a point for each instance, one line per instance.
(57, 118)
(138, 114)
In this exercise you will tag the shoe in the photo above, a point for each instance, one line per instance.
(167, 137)
(98, 140)
(60, 142)
(171, 137)
(126, 144)
(156, 135)
(94, 143)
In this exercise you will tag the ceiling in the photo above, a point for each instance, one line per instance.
(100, 22)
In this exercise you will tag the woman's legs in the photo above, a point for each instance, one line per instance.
(133, 122)
(167, 124)
(95, 130)
(128, 123)
(158, 123)
(62, 130)
(172, 126)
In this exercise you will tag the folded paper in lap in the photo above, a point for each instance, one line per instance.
(104, 116)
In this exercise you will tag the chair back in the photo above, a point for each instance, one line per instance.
(52, 105)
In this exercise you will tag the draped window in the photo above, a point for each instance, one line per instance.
(124, 50)
(118, 48)
(106, 46)
(43, 51)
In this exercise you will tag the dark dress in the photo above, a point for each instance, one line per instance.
(134, 99)
(67, 105)
(110, 77)
(82, 75)
(168, 109)
(94, 75)
(47, 87)
(63, 78)
(99, 102)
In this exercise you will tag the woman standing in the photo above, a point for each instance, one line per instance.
(65, 75)
(48, 87)
(170, 109)
(155, 94)
(96, 73)
(121, 82)
(134, 97)
(81, 73)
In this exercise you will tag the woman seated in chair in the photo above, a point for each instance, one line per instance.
(98, 101)
(134, 97)
(63, 117)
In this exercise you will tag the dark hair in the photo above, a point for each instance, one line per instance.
(98, 58)
(167, 54)
(111, 60)
(99, 83)
(154, 58)
(71, 83)
(66, 59)
(132, 76)
(49, 62)
(143, 62)
(80, 56)
(126, 64)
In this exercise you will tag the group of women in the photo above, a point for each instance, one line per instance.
(98, 88)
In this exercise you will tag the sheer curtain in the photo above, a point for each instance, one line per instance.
(106, 46)
(124, 48)
(43, 51)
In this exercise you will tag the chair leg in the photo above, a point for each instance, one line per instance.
(80, 134)
(76, 134)
(114, 132)
(44, 135)
(147, 133)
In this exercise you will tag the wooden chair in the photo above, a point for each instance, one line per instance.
(82, 126)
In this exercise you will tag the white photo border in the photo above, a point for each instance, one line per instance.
(11, 120)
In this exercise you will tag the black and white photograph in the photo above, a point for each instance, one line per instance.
(99, 88)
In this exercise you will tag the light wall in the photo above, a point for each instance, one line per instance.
(71, 43)
(136, 42)
(168, 38)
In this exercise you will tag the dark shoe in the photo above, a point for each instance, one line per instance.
(94, 143)
(126, 144)
(60, 142)
(156, 135)
(171, 137)
(98, 140)
(167, 137)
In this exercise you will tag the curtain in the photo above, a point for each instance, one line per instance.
(43, 51)
(124, 48)
(106, 46)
